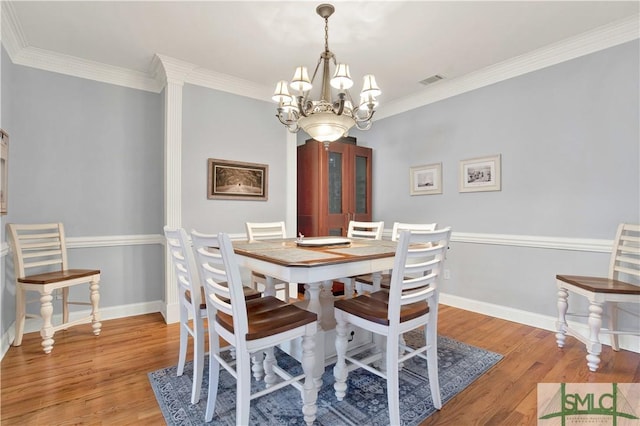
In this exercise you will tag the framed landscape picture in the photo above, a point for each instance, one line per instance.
(235, 180)
(426, 179)
(480, 174)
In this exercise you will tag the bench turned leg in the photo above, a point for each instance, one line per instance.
(46, 311)
(561, 324)
(20, 315)
(594, 347)
(95, 314)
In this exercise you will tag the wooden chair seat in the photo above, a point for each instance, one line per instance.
(600, 285)
(269, 316)
(367, 279)
(374, 307)
(58, 276)
(249, 294)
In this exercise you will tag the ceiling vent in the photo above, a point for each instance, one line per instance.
(431, 80)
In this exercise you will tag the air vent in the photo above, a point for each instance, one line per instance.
(431, 80)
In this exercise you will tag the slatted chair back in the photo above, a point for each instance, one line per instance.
(222, 283)
(265, 230)
(191, 304)
(179, 248)
(401, 226)
(38, 248)
(370, 230)
(416, 270)
(625, 256)
(257, 231)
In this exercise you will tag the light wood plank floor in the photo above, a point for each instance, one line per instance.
(103, 380)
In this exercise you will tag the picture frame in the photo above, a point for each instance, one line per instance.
(426, 179)
(237, 180)
(4, 171)
(480, 174)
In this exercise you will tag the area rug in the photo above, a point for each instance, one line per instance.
(365, 404)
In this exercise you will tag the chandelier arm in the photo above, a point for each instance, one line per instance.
(300, 101)
(366, 126)
(370, 113)
(339, 103)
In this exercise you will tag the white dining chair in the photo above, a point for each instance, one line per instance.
(411, 302)
(622, 285)
(257, 231)
(250, 326)
(41, 265)
(193, 308)
(360, 229)
(365, 282)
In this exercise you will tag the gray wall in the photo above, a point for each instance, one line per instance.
(569, 140)
(89, 155)
(229, 127)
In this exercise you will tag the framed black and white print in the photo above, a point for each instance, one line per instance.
(426, 180)
(480, 174)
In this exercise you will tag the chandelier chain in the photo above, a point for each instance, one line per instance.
(326, 34)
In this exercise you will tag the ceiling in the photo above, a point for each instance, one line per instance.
(400, 42)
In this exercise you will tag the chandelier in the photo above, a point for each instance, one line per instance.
(326, 119)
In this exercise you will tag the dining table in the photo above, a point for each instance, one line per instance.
(316, 262)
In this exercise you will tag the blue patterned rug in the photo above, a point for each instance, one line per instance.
(365, 403)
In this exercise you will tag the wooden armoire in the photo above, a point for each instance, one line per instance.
(334, 186)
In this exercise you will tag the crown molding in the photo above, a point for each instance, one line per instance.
(226, 83)
(601, 38)
(13, 38)
(155, 79)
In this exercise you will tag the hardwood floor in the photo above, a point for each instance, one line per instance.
(103, 380)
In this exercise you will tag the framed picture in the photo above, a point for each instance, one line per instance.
(235, 180)
(480, 174)
(4, 170)
(426, 179)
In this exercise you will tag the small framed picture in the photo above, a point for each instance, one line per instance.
(480, 174)
(426, 180)
(235, 180)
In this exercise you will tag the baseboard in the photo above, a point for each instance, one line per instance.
(123, 311)
(545, 322)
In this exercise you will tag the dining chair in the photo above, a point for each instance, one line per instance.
(365, 282)
(192, 305)
(41, 264)
(622, 285)
(250, 326)
(411, 302)
(359, 229)
(193, 308)
(257, 231)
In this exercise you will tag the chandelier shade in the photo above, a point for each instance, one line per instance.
(329, 117)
